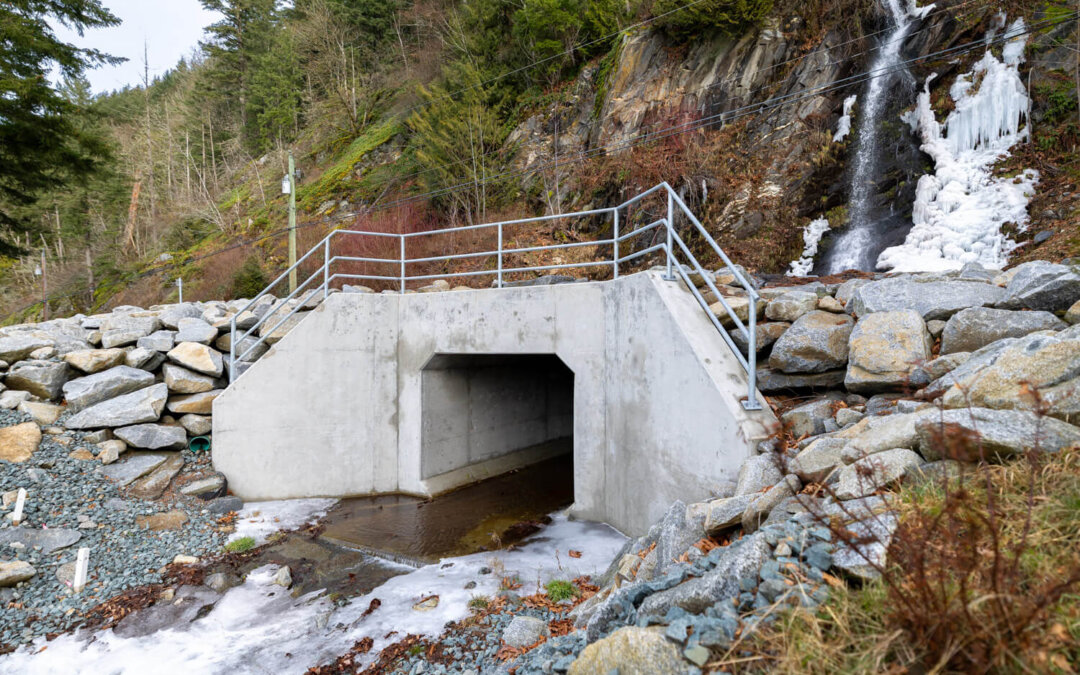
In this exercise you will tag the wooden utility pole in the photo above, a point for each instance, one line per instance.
(292, 223)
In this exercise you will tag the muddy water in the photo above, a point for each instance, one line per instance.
(484, 516)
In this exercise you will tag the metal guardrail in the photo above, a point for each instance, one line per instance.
(672, 247)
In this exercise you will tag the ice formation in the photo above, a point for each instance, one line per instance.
(260, 627)
(843, 127)
(812, 234)
(259, 520)
(960, 209)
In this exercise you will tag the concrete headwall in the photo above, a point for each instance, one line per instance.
(337, 407)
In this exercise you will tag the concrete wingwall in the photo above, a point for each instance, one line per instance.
(337, 408)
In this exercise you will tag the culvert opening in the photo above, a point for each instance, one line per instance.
(496, 444)
(490, 413)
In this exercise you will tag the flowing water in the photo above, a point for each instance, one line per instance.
(859, 244)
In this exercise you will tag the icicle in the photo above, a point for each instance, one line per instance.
(959, 210)
(843, 127)
(812, 234)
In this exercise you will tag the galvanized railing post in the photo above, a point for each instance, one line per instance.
(326, 269)
(401, 238)
(499, 273)
(751, 402)
(670, 224)
(615, 244)
(232, 349)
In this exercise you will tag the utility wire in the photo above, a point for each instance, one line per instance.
(687, 127)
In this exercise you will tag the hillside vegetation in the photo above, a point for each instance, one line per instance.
(431, 113)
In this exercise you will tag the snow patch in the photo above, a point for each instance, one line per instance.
(812, 234)
(960, 209)
(260, 628)
(843, 127)
(259, 520)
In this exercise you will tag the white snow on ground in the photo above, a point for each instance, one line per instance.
(843, 127)
(960, 209)
(812, 234)
(259, 520)
(259, 628)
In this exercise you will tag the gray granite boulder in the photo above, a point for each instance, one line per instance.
(1042, 285)
(815, 343)
(995, 433)
(976, 327)
(932, 299)
(84, 392)
(884, 349)
(153, 436)
(144, 405)
(44, 379)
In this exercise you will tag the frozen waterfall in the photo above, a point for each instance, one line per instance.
(960, 209)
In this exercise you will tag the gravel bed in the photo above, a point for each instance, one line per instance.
(65, 493)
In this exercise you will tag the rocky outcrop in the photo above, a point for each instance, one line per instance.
(884, 349)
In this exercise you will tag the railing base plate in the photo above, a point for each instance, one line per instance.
(751, 405)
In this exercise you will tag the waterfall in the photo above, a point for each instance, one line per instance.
(853, 249)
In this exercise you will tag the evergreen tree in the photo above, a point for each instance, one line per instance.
(233, 44)
(40, 147)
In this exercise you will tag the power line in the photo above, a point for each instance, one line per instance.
(729, 79)
(731, 115)
(646, 137)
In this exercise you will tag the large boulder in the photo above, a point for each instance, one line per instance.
(884, 349)
(862, 553)
(741, 558)
(758, 473)
(1037, 372)
(755, 514)
(1000, 433)
(976, 327)
(1042, 285)
(18, 347)
(44, 379)
(197, 404)
(631, 651)
(877, 433)
(158, 341)
(183, 381)
(249, 348)
(197, 357)
(92, 361)
(195, 330)
(153, 436)
(123, 329)
(815, 343)
(771, 381)
(20, 442)
(766, 335)
(875, 472)
(808, 419)
(171, 315)
(144, 405)
(740, 306)
(816, 461)
(932, 299)
(84, 392)
(791, 305)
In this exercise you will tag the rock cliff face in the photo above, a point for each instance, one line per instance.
(777, 167)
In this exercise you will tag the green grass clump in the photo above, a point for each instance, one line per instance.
(559, 590)
(240, 545)
(478, 602)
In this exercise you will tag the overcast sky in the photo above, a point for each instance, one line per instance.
(169, 28)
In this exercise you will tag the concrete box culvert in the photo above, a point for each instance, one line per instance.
(339, 406)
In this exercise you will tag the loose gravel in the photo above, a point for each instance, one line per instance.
(75, 494)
